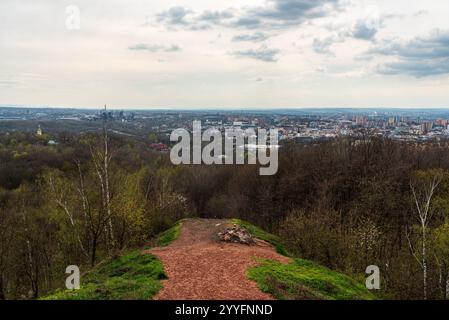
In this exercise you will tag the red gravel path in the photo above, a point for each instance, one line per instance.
(199, 267)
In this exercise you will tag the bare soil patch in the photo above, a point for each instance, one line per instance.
(200, 267)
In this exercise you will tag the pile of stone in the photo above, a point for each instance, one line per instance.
(236, 234)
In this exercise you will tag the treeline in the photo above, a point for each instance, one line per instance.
(346, 204)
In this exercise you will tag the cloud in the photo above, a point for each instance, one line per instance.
(294, 11)
(247, 23)
(154, 47)
(364, 30)
(215, 16)
(255, 37)
(174, 16)
(421, 13)
(420, 70)
(322, 46)
(420, 57)
(273, 14)
(208, 19)
(186, 18)
(263, 54)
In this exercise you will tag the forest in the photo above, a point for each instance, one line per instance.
(345, 203)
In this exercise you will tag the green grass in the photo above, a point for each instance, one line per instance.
(303, 279)
(134, 276)
(275, 241)
(300, 279)
(170, 235)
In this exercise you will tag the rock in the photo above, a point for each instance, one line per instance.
(236, 234)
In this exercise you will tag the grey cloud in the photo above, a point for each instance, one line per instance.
(364, 31)
(419, 70)
(255, 37)
(247, 22)
(295, 10)
(174, 16)
(208, 19)
(285, 13)
(263, 54)
(154, 47)
(215, 16)
(322, 46)
(273, 14)
(186, 18)
(420, 57)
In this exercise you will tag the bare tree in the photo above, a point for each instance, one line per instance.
(96, 223)
(423, 192)
(101, 159)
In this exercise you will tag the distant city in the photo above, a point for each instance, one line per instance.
(301, 125)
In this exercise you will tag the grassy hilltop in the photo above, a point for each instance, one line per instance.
(136, 275)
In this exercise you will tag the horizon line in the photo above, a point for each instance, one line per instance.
(158, 108)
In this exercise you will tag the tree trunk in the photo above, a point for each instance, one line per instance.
(424, 261)
(2, 289)
(447, 288)
(94, 251)
(107, 195)
(36, 281)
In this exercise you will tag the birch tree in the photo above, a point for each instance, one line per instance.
(423, 189)
(101, 158)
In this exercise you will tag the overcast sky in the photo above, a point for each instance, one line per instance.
(225, 53)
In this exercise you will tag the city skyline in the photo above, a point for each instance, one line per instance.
(263, 54)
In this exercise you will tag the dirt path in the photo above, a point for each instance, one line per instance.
(199, 267)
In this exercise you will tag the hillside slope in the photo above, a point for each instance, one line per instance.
(190, 263)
